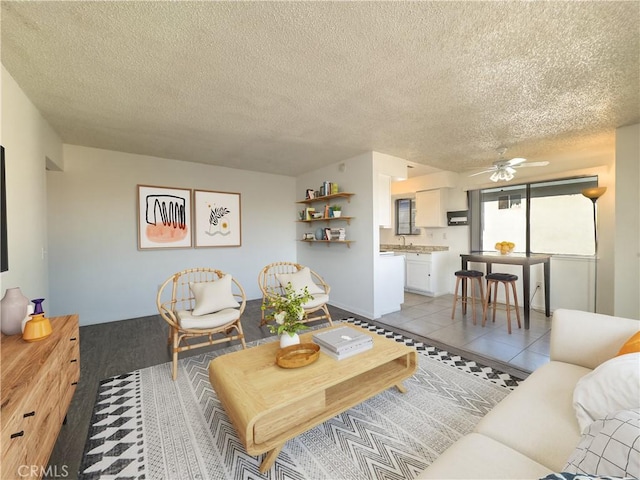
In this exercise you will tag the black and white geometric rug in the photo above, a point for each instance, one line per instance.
(147, 426)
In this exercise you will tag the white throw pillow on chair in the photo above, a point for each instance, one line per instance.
(299, 280)
(212, 297)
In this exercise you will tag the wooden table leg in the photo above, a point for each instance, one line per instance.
(464, 266)
(270, 458)
(526, 289)
(547, 288)
(401, 388)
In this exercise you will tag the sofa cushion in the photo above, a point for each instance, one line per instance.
(610, 446)
(612, 386)
(213, 320)
(317, 300)
(479, 457)
(537, 418)
(588, 339)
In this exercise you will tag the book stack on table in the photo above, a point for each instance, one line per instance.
(343, 342)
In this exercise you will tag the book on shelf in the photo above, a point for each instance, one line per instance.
(342, 340)
(338, 234)
(309, 211)
(346, 354)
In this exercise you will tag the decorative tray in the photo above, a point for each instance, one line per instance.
(295, 356)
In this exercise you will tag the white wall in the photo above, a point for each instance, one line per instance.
(95, 266)
(627, 223)
(349, 271)
(28, 140)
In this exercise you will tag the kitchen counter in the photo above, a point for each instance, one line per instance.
(412, 248)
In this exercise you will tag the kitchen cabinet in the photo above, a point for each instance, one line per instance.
(431, 210)
(418, 272)
(425, 273)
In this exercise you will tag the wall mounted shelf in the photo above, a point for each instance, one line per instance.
(346, 242)
(328, 219)
(328, 197)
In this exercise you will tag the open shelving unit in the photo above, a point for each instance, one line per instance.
(327, 200)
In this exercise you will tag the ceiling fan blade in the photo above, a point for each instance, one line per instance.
(534, 164)
(484, 171)
(515, 161)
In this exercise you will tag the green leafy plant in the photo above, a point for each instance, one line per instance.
(287, 310)
(336, 208)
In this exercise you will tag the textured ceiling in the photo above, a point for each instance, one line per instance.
(286, 87)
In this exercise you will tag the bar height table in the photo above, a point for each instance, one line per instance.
(525, 260)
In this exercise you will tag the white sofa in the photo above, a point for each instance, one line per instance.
(534, 430)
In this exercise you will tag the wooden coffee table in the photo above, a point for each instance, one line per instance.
(269, 405)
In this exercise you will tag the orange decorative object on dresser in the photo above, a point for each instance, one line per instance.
(38, 328)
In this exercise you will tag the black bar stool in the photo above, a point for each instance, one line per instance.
(465, 275)
(506, 279)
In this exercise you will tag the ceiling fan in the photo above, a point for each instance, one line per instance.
(504, 170)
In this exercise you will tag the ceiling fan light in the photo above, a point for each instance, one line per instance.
(503, 174)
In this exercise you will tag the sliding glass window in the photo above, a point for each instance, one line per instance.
(545, 217)
(562, 218)
(504, 216)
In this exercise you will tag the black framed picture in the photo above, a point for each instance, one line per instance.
(4, 251)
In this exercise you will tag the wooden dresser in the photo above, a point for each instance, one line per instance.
(38, 382)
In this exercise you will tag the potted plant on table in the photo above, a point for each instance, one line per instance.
(287, 312)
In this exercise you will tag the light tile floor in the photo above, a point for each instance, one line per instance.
(431, 318)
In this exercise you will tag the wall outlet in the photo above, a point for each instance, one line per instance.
(444, 236)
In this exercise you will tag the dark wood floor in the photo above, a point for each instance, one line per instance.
(115, 348)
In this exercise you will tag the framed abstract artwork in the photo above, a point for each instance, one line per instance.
(164, 217)
(217, 219)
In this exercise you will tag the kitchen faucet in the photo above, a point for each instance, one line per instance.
(404, 240)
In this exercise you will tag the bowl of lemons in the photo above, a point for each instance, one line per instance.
(505, 248)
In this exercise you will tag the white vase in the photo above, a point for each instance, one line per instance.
(13, 309)
(287, 340)
(337, 213)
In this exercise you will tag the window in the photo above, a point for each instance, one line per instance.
(406, 217)
(562, 218)
(503, 213)
(545, 217)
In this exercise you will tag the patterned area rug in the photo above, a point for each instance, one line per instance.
(147, 426)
